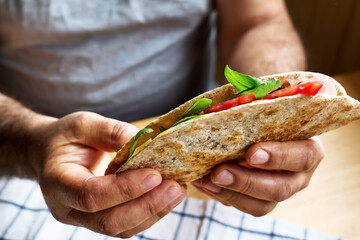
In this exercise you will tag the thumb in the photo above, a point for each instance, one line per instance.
(102, 133)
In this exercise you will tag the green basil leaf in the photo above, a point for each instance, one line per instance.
(137, 136)
(197, 107)
(186, 119)
(264, 89)
(241, 81)
(162, 129)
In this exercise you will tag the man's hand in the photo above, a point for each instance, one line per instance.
(117, 205)
(273, 172)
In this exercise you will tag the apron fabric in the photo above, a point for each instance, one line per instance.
(122, 59)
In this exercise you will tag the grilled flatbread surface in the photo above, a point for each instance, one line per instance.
(191, 150)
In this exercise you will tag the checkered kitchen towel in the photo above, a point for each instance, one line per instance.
(24, 215)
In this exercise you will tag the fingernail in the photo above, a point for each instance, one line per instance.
(212, 187)
(171, 194)
(259, 157)
(151, 181)
(224, 178)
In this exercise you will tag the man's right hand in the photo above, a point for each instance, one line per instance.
(116, 205)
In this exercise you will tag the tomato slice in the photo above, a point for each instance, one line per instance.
(247, 98)
(289, 91)
(327, 88)
(308, 88)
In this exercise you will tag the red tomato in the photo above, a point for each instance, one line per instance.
(289, 91)
(247, 98)
(327, 88)
(308, 88)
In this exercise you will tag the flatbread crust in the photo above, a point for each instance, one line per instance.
(192, 150)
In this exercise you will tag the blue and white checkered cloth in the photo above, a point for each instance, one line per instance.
(24, 215)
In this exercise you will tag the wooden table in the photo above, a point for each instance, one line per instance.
(331, 203)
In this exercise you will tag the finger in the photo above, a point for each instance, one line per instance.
(294, 156)
(257, 183)
(253, 206)
(152, 220)
(100, 132)
(135, 215)
(85, 192)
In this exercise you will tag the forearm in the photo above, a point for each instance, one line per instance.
(19, 141)
(269, 48)
(257, 37)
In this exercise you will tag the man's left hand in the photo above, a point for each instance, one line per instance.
(273, 172)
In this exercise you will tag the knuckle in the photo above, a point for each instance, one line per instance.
(283, 192)
(65, 215)
(314, 154)
(284, 156)
(310, 160)
(87, 198)
(108, 227)
(126, 235)
(118, 129)
(246, 186)
(78, 122)
(226, 203)
(58, 216)
(121, 132)
(80, 119)
(128, 190)
(264, 209)
(230, 199)
(151, 208)
(305, 183)
(163, 213)
(87, 202)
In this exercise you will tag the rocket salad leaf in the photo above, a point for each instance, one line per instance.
(241, 81)
(197, 107)
(264, 89)
(137, 136)
(247, 84)
(192, 112)
(186, 119)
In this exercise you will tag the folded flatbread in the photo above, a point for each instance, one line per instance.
(190, 150)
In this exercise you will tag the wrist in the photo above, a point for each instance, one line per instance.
(38, 131)
(21, 131)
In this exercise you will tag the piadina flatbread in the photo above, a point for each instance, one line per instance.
(190, 150)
